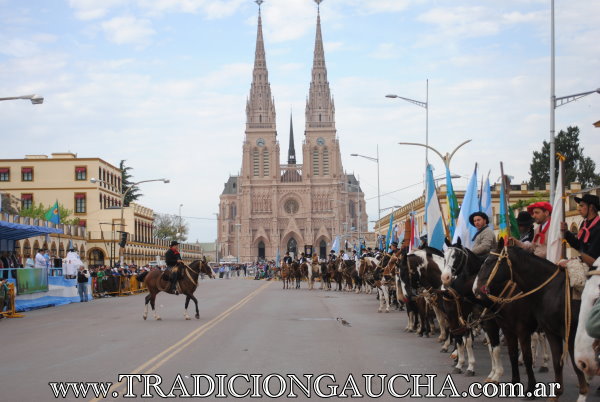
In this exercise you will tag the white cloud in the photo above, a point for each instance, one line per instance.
(94, 9)
(128, 30)
(386, 51)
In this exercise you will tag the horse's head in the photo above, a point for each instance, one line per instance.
(586, 347)
(494, 272)
(455, 260)
(206, 269)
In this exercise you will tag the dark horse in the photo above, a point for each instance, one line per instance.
(188, 282)
(546, 301)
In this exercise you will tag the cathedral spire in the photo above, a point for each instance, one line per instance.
(320, 110)
(291, 150)
(260, 108)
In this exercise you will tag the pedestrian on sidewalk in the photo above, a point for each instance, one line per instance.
(82, 281)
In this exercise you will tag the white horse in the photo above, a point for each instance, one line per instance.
(585, 357)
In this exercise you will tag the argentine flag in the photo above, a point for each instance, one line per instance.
(486, 202)
(470, 204)
(435, 226)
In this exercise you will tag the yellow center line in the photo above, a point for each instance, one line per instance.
(174, 349)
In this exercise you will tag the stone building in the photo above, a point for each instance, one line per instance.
(65, 177)
(294, 206)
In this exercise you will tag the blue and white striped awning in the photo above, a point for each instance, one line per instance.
(17, 231)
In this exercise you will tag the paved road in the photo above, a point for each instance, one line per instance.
(246, 326)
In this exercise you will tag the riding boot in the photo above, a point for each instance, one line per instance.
(174, 284)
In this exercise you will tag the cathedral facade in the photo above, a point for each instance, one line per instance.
(271, 208)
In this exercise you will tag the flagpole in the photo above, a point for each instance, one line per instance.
(505, 199)
(561, 164)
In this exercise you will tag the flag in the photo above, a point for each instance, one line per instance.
(53, 214)
(278, 258)
(414, 233)
(401, 235)
(486, 202)
(451, 203)
(470, 204)
(388, 238)
(514, 225)
(503, 225)
(435, 226)
(380, 242)
(554, 235)
(336, 244)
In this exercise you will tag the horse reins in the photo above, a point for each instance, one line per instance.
(512, 285)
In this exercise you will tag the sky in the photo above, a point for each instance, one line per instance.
(163, 85)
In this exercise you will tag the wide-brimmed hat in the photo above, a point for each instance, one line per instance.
(541, 205)
(395, 244)
(524, 219)
(174, 243)
(589, 199)
(482, 214)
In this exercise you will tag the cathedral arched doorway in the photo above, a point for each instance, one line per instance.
(323, 249)
(261, 250)
(292, 247)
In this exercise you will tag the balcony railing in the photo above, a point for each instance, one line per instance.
(291, 173)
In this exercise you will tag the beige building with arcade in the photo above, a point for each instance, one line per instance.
(65, 178)
(272, 207)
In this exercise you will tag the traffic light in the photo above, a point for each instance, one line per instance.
(123, 241)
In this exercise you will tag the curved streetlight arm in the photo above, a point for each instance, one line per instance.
(456, 149)
(366, 157)
(447, 158)
(563, 100)
(424, 146)
(414, 102)
(35, 99)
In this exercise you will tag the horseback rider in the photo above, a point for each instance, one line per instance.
(587, 240)
(173, 259)
(541, 212)
(484, 240)
(395, 250)
(302, 259)
(332, 256)
(287, 259)
(525, 222)
(377, 253)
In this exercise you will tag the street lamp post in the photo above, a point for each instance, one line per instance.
(35, 99)
(376, 160)
(217, 240)
(424, 105)
(131, 186)
(445, 158)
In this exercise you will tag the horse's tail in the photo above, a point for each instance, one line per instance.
(142, 276)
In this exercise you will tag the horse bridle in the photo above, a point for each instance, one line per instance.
(463, 261)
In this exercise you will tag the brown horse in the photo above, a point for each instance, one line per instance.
(286, 275)
(156, 282)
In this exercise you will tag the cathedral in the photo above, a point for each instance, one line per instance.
(301, 206)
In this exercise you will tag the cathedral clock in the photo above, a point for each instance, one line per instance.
(260, 142)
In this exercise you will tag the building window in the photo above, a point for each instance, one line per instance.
(81, 173)
(265, 162)
(26, 201)
(255, 163)
(325, 162)
(80, 203)
(27, 174)
(315, 162)
(4, 174)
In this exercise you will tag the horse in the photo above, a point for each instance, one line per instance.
(585, 350)
(296, 273)
(187, 282)
(286, 275)
(325, 276)
(544, 286)
(314, 270)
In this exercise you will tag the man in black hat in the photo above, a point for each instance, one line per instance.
(587, 241)
(287, 259)
(332, 256)
(173, 259)
(525, 222)
(485, 239)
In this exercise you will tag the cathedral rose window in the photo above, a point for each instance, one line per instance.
(291, 206)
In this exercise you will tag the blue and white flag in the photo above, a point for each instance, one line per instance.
(336, 244)
(486, 202)
(470, 204)
(435, 225)
(388, 238)
(278, 258)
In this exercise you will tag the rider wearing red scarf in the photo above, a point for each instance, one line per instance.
(587, 240)
(540, 211)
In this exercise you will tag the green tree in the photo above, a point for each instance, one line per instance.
(39, 212)
(577, 166)
(8, 204)
(126, 181)
(170, 227)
